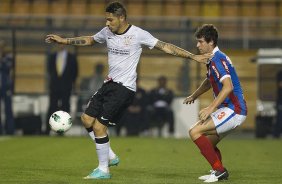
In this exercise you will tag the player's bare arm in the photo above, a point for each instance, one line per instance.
(204, 87)
(177, 51)
(77, 41)
(225, 91)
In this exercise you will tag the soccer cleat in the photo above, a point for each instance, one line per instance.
(205, 177)
(216, 176)
(98, 174)
(114, 161)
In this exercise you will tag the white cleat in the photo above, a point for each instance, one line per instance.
(205, 177)
(216, 176)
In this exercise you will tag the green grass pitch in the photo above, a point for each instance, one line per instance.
(64, 160)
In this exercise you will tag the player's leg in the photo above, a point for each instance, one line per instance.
(215, 140)
(198, 135)
(115, 98)
(94, 107)
(102, 147)
(221, 123)
(103, 150)
(88, 123)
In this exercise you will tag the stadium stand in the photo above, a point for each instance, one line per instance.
(32, 67)
(173, 8)
(154, 8)
(211, 8)
(96, 8)
(230, 9)
(59, 7)
(40, 7)
(21, 7)
(192, 9)
(136, 8)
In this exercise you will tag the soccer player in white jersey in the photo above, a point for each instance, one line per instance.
(124, 43)
(228, 109)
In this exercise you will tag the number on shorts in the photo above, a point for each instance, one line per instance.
(221, 115)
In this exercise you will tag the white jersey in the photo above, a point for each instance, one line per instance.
(124, 52)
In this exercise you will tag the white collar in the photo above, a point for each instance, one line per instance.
(215, 50)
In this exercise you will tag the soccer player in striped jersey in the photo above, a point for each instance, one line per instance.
(124, 43)
(228, 109)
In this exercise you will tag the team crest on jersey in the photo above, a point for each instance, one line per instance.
(127, 40)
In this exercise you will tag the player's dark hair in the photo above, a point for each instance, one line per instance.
(117, 9)
(208, 32)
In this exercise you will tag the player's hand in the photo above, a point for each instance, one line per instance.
(188, 100)
(205, 113)
(202, 58)
(55, 38)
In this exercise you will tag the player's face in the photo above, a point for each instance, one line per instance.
(203, 46)
(113, 22)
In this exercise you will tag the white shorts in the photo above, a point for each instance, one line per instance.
(226, 120)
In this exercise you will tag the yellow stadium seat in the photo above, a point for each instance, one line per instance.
(280, 9)
(248, 8)
(268, 8)
(5, 7)
(28, 65)
(97, 8)
(154, 8)
(173, 8)
(40, 7)
(78, 7)
(21, 7)
(230, 8)
(192, 8)
(136, 8)
(59, 7)
(211, 8)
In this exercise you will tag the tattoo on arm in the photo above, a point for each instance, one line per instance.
(80, 41)
(172, 49)
(160, 45)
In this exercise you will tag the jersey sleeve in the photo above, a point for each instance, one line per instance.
(100, 37)
(147, 39)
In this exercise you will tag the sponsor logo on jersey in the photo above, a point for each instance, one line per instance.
(225, 66)
(116, 51)
(215, 71)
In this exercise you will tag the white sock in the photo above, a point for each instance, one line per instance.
(112, 155)
(103, 156)
(91, 134)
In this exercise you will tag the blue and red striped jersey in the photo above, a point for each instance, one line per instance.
(220, 67)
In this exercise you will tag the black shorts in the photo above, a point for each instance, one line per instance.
(109, 103)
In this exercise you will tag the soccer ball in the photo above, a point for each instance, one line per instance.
(60, 121)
